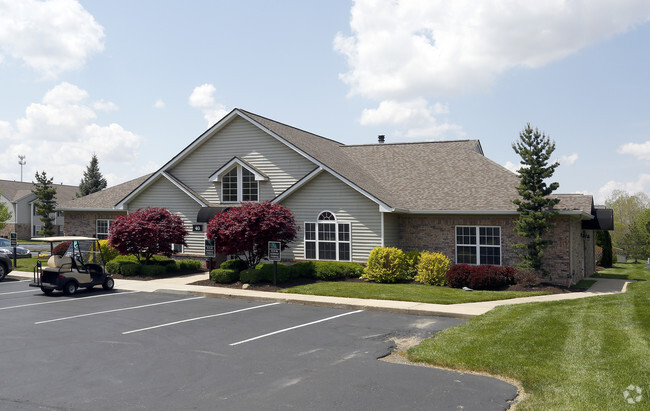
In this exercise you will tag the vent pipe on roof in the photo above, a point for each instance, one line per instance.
(381, 138)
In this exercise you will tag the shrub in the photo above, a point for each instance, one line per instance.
(458, 275)
(303, 269)
(61, 248)
(336, 270)
(411, 260)
(224, 275)
(234, 264)
(490, 277)
(284, 274)
(189, 265)
(385, 265)
(432, 268)
(108, 252)
(527, 277)
(251, 276)
(128, 269)
(151, 270)
(113, 267)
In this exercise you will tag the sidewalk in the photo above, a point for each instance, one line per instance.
(181, 285)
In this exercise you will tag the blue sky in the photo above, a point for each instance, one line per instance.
(136, 81)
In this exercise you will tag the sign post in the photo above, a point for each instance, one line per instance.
(14, 244)
(275, 255)
(209, 253)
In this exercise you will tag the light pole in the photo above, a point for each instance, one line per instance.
(22, 162)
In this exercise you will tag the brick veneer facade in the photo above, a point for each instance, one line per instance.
(83, 223)
(437, 233)
(22, 231)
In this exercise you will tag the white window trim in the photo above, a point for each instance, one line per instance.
(108, 227)
(337, 241)
(240, 184)
(478, 244)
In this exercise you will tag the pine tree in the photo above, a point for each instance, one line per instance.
(45, 202)
(535, 207)
(93, 180)
(604, 241)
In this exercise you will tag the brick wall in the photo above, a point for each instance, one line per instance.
(437, 233)
(83, 223)
(22, 231)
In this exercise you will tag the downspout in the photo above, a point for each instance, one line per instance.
(382, 229)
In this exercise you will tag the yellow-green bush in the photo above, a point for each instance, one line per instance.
(385, 265)
(432, 268)
(108, 252)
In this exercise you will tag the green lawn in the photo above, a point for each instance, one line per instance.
(404, 292)
(27, 264)
(578, 354)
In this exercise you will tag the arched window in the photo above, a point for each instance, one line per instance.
(327, 238)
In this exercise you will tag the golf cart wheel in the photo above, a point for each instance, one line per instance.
(47, 291)
(70, 288)
(108, 283)
(3, 271)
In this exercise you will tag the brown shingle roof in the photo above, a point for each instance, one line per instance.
(105, 199)
(16, 190)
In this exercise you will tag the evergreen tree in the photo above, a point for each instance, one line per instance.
(45, 202)
(93, 180)
(604, 241)
(5, 214)
(535, 207)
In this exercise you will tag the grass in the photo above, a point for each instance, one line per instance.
(575, 354)
(405, 292)
(27, 264)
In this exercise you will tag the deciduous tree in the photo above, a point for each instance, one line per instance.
(245, 231)
(93, 180)
(627, 209)
(5, 214)
(147, 232)
(535, 207)
(45, 202)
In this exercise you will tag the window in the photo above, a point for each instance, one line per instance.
(239, 185)
(102, 228)
(478, 245)
(327, 239)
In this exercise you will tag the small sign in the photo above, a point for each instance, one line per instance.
(197, 227)
(209, 249)
(14, 240)
(275, 251)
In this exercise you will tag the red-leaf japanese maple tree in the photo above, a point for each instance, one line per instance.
(245, 231)
(147, 232)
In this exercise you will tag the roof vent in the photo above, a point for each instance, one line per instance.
(381, 138)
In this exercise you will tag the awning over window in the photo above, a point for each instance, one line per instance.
(207, 213)
(604, 220)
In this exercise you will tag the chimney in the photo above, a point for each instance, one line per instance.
(381, 138)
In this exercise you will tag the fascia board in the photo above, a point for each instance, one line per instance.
(216, 176)
(121, 205)
(580, 213)
(183, 189)
(297, 185)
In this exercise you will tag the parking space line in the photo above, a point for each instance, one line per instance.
(116, 310)
(294, 327)
(67, 299)
(17, 292)
(198, 318)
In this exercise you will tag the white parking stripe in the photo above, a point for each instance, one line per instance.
(116, 310)
(18, 292)
(294, 327)
(199, 318)
(68, 299)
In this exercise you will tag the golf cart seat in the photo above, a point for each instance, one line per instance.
(59, 264)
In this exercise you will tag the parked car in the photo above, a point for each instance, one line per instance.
(5, 266)
(82, 265)
(8, 250)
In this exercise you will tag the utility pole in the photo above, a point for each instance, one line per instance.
(22, 162)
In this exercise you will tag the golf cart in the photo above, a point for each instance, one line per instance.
(82, 265)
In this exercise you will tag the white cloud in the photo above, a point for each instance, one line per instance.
(640, 151)
(568, 160)
(512, 166)
(642, 184)
(103, 105)
(59, 135)
(202, 97)
(49, 36)
(414, 119)
(398, 50)
(159, 104)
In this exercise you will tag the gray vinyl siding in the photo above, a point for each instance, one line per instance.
(326, 192)
(279, 163)
(391, 230)
(164, 194)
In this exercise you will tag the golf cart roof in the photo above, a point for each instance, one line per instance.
(63, 238)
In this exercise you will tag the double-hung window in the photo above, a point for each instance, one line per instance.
(239, 185)
(478, 245)
(102, 228)
(327, 239)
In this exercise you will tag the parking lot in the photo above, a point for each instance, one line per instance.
(137, 350)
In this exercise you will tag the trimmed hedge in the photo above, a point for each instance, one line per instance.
(432, 268)
(128, 269)
(411, 260)
(251, 276)
(284, 274)
(336, 270)
(303, 269)
(385, 265)
(481, 277)
(188, 265)
(152, 270)
(224, 276)
(234, 264)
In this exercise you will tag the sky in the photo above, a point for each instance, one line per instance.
(135, 82)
